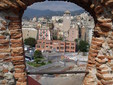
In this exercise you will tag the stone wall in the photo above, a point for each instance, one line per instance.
(100, 61)
(12, 65)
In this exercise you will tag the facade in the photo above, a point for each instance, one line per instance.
(55, 45)
(70, 46)
(66, 21)
(44, 34)
(73, 34)
(83, 33)
(86, 24)
(29, 32)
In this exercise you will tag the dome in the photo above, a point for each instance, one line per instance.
(67, 12)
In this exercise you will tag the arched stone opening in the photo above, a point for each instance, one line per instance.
(11, 46)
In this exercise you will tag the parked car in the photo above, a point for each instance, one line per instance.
(27, 59)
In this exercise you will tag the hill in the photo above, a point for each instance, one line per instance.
(30, 13)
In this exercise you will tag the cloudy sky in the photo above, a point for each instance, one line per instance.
(55, 6)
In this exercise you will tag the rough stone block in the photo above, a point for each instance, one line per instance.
(2, 37)
(19, 70)
(17, 51)
(20, 66)
(19, 75)
(16, 40)
(5, 50)
(4, 41)
(2, 56)
(17, 58)
(13, 45)
(16, 36)
(19, 62)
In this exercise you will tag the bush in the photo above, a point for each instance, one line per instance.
(30, 41)
(38, 57)
(83, 46)
(54, 37)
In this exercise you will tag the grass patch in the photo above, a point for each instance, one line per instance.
(34, 64)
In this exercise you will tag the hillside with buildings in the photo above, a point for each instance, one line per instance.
(57, 38)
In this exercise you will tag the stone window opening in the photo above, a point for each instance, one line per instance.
(102, 38)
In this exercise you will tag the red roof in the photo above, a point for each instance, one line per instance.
(31, 81)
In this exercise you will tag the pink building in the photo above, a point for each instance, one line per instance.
(55, 45)
(44, 34)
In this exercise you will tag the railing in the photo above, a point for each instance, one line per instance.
(58, 72)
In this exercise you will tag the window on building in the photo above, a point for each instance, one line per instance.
(38, 46)
(72, 47)
(51, 43)
(50, 47)
(72, 43)
(43, 38)
(39, 42)
(42, 46)
(44, 32)
(67, 47)
(47, 46)
(46, 35)
(27, 34)
(67, 43)
(47, 42)
(40, 34)
(61, 47)
(57, 47)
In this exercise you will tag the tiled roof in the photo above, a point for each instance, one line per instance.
(31, 81)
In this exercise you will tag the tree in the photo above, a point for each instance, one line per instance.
(54, 37)
(38, 57)
(60, 21)
(30, 41)
(83, 46)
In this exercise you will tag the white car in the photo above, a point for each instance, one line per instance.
(26, 59)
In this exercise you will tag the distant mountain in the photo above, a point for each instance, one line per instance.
(30, 13)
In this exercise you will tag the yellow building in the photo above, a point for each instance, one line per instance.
(29, 32)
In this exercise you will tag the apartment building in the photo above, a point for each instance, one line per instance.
(29, 32)
(70, 47)
(55, 45)
(44, 34)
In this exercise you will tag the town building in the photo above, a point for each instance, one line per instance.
(66, 21)
(73, 34)
(83, 33)
(70, 46)
(44, 34)
(86, 25)
(66, 24)
(55, 45)
(29, 32)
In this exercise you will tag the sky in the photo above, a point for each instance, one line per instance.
(55, 6)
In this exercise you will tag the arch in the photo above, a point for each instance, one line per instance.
(100, 59)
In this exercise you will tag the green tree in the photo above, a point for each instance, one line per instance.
(83, 46)
(38, 57)
(54, 37)
(30, 41)
(60, 21)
